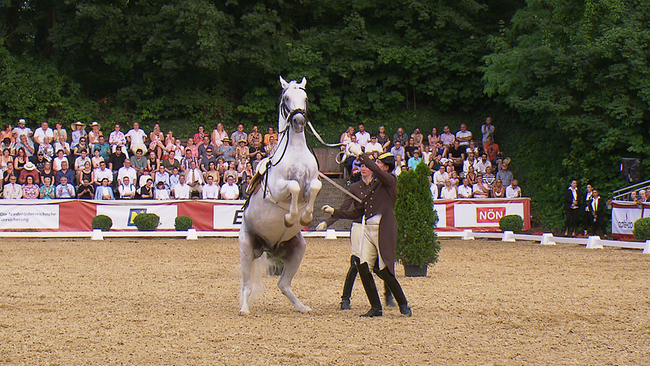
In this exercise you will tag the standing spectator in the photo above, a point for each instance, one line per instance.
(447, 137)
(42, 132)
(181, 190)
(254, 136)
(596, 207)
(239, 134)
(30, 190)
(22, 130)
(513, 190)
(505, 175)
(230, 191)
(47, 189)
(487, 129)
(363, 137)
(25, 144)
(572, 208)
(78, 131)
(102, 173)
(86, 191)
(127, 171)
(66, 173)
(465, 189)
(65, 189)
(104, 191)
(137, 138)
(13, 190)
(218, 134)
(270, 133)
(227, 151)
(587, 219)
(161, 192)
(463, 136)
(117, 140)
(29, 171)
(126, 189)
(382, 138)
(401, 137)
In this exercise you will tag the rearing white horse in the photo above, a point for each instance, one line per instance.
(283, 202)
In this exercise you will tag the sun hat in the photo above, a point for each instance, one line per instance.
(30, 166)
(78, 123)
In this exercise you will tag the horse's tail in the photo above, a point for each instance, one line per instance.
(258, 268)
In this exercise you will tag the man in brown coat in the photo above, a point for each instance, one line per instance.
(380, 232)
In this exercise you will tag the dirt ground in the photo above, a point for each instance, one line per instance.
(175, 302)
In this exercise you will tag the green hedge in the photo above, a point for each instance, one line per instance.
(102, 222)
(512, 223)
(147, 221)
(642, 229)
(183, 223)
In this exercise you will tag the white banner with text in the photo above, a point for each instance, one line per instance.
(29, 217)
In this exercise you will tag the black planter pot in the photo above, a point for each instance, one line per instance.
(415, 271)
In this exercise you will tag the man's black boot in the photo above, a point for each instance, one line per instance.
(371, 291)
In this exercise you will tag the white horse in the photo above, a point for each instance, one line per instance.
(283, 202)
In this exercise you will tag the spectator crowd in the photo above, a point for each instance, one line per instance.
(460, 166)
(50, 163)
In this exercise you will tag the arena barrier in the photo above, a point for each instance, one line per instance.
(624, 214)
(221, 215)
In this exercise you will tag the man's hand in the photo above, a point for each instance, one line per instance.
(322, 226)
(328, 209)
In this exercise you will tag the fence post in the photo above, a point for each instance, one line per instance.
(547, 239)
(508, 236)
(594, 242)
(97, 235)
(468, 234)
(330, 234)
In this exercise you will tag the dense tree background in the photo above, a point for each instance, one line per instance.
(568, 83)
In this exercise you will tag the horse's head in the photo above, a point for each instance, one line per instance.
(293, 105)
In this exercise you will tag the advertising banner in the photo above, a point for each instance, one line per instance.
(21, 217)
(123, 216)
(441, 210)
(623, 218)
(485, 214)
(227, 217)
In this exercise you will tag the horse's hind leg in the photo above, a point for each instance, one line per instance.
(294, 251)
(246, 255)
(314, 187)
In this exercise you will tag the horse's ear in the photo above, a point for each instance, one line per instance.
(303, 83)
(283, 83)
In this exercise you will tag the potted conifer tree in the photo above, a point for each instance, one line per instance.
(417, 243)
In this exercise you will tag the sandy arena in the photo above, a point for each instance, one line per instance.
(175, 302)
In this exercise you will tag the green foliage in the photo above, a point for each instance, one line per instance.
(642, 229)
(102, 222)
(512, 223)
(147, 221)
(183, 223)
(417, 243)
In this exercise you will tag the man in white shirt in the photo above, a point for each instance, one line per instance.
(22, 130)
(42, 132)
(181, 191)
(127, 171)
(481, 164)
(117, 140)
(13, 190)
(210, 190)
(513, 190)
(229, 190)
(373, 145)
(126, 189)
(81, 160)
(440, 177)
(363, 137)
(194, 178)
(433, 188)
(465, 190)
(463, 136)
(101, 173)
(137, 138)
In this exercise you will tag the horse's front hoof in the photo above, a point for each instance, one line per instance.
(244, 313)
(287, 221)
(305, 222)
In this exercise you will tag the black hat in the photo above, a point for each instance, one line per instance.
(388, 159)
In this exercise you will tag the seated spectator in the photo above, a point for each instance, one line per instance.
(22, 130)
(505, 175)
(383, 139)
(489, 177)
(174, 178)
(409, 149)
(30, 189)
(213, 172)
(26, 144)
(210, 189)
(117, 140)
(243, 188)
(492, 150)
(20, 160)
(137, 138)
(127, 171)
(86, 174)
(80, 148)
(499, 190)
(254, 149)
(187, 159)
(398, 149)
(453, 178)
(418, 139)
(346, 137)
(399, 164)
(239, 134)
(101, 173)
(7, 133)
(153, 162)
(463, 136)
(65, 189)
(13, 190)
(481, 188)
(171, 163)
(116, 161)
(256, 161)
(363, 136)
(65, 173)
(641, 197)
(81, 161)
(161, 175)
(139, 162)
(126, 189)
(473, 177)
(29, 171)
(78, 131)
(142, 180)
(241, 153)
(472, 148)
(433, 188)
(86, 190)
(513, 190)
(147, 190)
(63, 146)
(271, 133)
(46, 148)
(229, 190)
(204, 146)
(254, 137)
(47, 189)
(434, 137)
(39, 160)
(440, 177)
(447, 137)
(200, 134)
(448, 191)
(227, 151)
(470, 161)
(194, 178)
(104, 148)
(156, 139)
(161, 192)
(60, 158)
(104, 191)
(181, 190)
(41, 133)
(415, 160)
(6, 159)
(8, 173)
(207, 159)
(481, 164)
(401, 137)
(457, 154)
(47, 171)
(271, 146)
(465, 189)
